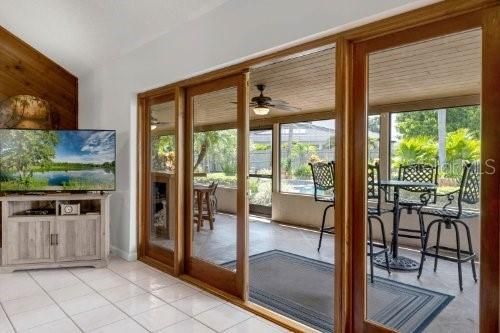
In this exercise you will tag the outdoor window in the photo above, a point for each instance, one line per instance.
(300, 144)
(213, 158)
(447, 137)
(373, 139)
(260, 167)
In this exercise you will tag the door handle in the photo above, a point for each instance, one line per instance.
(54, 239)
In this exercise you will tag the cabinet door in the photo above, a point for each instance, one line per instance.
(29, 241)
(78, 237)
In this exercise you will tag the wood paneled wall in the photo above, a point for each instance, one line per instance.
(25, 71)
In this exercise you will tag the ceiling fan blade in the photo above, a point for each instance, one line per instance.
(285, 107)
(279, 101)
(251, 103)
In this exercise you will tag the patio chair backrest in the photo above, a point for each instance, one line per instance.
(469, 186)
(373, 182)
(418, 172)
(213, 187)
(323, 174)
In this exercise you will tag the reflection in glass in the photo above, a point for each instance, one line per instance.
(162, 224)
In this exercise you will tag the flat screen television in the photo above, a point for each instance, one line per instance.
(57, 160)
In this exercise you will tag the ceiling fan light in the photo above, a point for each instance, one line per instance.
(261, 110)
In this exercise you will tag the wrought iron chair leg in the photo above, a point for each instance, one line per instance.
(385, 246)
(422, 228)
(438, 241)
(467, 230)
(427, 233)
(323, 225)
(370, 239)
(457, 236)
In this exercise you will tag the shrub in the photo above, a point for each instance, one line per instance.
(461, 146)
(218, 177)
(229, 168)
(303, 171)
(420, 149)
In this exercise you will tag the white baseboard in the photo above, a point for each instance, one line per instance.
(129, 256)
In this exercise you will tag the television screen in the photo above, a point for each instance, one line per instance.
(58, 160)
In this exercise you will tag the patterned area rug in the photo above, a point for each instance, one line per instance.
(302, 288)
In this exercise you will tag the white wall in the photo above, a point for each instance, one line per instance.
(235, 30)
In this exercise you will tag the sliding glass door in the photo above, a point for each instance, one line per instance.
(422, 221)
(216, 183)
(158, 227)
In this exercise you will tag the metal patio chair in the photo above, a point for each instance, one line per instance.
(323, 174)
(468, 193)
(374, 214)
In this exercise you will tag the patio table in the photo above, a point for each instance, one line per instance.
(396, 261)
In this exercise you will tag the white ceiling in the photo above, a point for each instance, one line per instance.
(82, 34)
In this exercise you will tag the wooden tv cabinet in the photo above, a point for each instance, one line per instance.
(35, 233)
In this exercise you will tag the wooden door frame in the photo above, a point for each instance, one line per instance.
(157, 256)
(234, 283)
(490, 183)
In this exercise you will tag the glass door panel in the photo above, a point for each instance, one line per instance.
(423, 180)
(215, 168)
(214, 176)
(160, 233)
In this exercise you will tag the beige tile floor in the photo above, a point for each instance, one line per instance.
(124, 297)
(133, 297)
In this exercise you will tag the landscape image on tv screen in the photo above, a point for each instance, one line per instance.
(62, 160)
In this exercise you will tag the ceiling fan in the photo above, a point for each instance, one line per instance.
(261, 104)
(155, 122)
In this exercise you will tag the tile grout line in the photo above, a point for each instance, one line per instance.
(53, 300)
(167, 303)
(146, 292)
(190, 317)
(111, 303)
(8, 317)
(23, 311)
(241, 322)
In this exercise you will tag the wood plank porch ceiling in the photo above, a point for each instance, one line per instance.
(445, 68)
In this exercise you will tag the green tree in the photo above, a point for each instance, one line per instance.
(460, 146)
(203, 141)
(424, 123)
(220, 146)
(419, 149)
(374, 123)
(225, 152)
(24, 151)
(163, 147)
